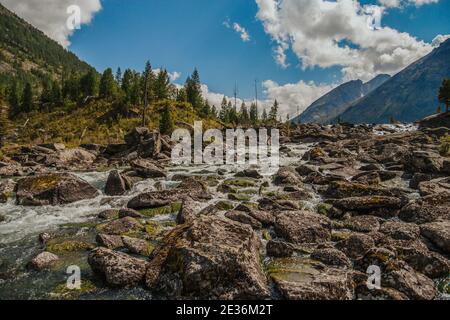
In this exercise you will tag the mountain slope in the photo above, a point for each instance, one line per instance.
(26, 52)
(337, 101)
(408, 96)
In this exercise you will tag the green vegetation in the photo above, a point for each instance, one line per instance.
(444, 93)
(445, 145)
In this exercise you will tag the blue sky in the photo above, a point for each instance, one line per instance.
(313, 57)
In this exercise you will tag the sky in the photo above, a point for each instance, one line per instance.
(295, 50)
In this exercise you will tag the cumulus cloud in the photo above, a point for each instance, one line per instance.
(338, 33)
(439, 39)
(173, 76)
(50, 16)
(243, 33)
(293, 98)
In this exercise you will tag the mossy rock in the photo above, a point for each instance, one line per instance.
(238, 197)
(224, 205)
(266, 235)
(56, 246)
(324, 208)
(337, 236)
(169, 224)
(61, 292)
(294, 269)
(169, 209)
(43, 182)
(240, 182)
(153, 229)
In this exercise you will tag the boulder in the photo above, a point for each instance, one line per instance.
(137, 246)
(209, 258)
(115, 185)
(287, 176)
(43, 260)
(109, 241)
(118, 269)
(421, 212)
(147, 169)
(244, 218)
(280, 249)
(356, 246)
(438, 186)
(302, 279)
(438, 233)
(109, 214)
(303, 227)
(400, 230)
(121, 226)
(53, 189)
(331, 257)
(362, 223)
(127, 212)
(368, 203)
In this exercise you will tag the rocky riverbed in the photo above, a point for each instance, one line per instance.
(345, 198)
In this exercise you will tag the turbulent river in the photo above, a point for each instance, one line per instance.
(21, 226)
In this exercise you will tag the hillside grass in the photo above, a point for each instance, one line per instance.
(97, 122)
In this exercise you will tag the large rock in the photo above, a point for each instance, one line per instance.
(303, 227)
(301, 279)
(119, 269)
(120, 226)
(421, 212)
(357, 245)
(366, 204)
(244, 218)
(287, 176)
(438, 233)
(400, 230)
(331, 257)
(345, 189)
(43, 260)
(53, 189)
(147, 169)
(209, 258)
(116, 185)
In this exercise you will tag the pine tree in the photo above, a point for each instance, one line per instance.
(264, 116)
(14, 98)
(118, 77)
(27, 98)
(194, 91)
(206, 111)
(89, 84)
(244, 116)
(166, 125)
(127, 83)
(107, 84)
(223, 114)
(56, 95)
(181, 95)
(162, 86)
(254, 114)
(273, 114)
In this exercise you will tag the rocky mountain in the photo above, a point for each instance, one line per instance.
(27, 53)
(338, 100)
(408, 96)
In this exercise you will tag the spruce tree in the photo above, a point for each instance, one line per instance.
(89, 84)
(166, 125)
(118, 77)
(107, 84)
(244, 116)
(273, 114)
(254, 114)
(162, 86)
(194, 91)
(14, 98)
(127, 83)
(264, 116)
(27, 98)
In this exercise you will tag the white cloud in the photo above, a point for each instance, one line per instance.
(337, 33)
(173, 76)
(50, 16)
(243, 33)
(439, 39)
(293, 98)
(402, 3)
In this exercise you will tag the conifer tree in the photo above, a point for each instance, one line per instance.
(107, 84)
(162, 86)
(194, 91)
(244, 116)
(89, 84)
(273, 114)
(4, 125)
(254, 114)
(27, 98)
(264, 116)
(14, 98)
(166, 125)
(118, 77)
